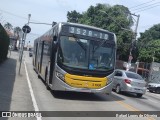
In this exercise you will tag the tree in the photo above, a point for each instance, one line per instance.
(8, 26)
(17, 32)
(73, 16)
(4, 44)
(149, 44)
(151, 52)
(151, 34)
(112, 18)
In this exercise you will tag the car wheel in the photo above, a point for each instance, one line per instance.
(139, 95)
(158, 90)
(151, 91)
(118, 89)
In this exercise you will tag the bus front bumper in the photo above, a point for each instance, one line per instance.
(60, 85)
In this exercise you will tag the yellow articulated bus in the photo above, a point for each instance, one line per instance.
(76, 57)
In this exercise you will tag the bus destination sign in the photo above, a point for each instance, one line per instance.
(87, 32)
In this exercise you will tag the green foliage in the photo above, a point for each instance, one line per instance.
(150, 52)
(4, 44)
(73, 16)
(8, 26)
(152, 34)
(111, 18)
(149, 45)
(17, 30)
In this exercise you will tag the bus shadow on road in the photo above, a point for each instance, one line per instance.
(84, 96)
(7, 80)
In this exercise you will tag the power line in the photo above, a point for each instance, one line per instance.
(13, 14)
(4, 11)
(141, 4)
(111, 18)
(148, 6)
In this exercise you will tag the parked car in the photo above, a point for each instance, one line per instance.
(128, 81)
(154, 87)
(30, 52)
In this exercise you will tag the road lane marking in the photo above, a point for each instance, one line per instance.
(129, 107)
(31, 92)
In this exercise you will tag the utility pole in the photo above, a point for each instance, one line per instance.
(26, 29)
(138, 16)
(23, 42)
(134, 37)
(133, 41)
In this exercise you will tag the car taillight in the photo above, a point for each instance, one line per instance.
(127, 81)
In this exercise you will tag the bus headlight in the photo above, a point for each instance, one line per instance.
(60, 75)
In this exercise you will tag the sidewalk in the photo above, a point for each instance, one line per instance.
(14, 90)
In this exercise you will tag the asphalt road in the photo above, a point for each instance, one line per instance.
(70, 101)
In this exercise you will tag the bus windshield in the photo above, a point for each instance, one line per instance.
(86, 54)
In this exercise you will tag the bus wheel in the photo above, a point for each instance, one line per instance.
(46, 78)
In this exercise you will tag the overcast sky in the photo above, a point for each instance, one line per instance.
(46, 11)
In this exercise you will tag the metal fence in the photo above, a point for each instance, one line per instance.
(154, 74)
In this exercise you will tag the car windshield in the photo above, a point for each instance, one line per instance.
(86, 54)
(133, 75)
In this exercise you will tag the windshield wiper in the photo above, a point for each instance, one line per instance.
(80, 43)
(99, 45)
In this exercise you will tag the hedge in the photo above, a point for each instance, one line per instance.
(4, 44)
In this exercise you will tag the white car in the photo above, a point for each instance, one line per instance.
(154, 87)
(128, 81)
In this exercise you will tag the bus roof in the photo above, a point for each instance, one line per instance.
(78, 25)
(82, 25)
